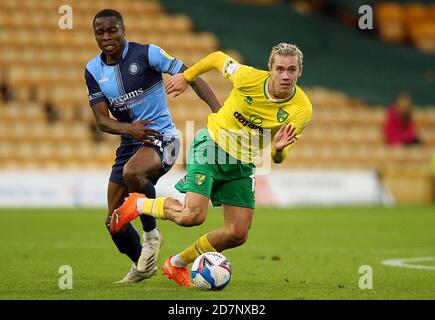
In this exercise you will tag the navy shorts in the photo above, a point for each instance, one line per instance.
(166, 147)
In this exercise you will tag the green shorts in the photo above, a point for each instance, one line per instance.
(214, 173)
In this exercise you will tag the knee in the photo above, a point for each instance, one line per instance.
(133, 177)
(237, 235)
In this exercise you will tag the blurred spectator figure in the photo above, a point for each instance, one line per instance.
(51, 112)
(399, 127)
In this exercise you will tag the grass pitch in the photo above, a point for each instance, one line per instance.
(295, 253)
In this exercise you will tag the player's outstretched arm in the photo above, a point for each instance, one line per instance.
(178, 83)
(137, 130)
(204, 91)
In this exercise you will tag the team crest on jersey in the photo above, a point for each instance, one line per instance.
(133, 68)
(248, 100)
(281, 115)
(166, 54)
(199, 179)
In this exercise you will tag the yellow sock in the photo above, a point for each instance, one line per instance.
(154, 207)
(202, 245)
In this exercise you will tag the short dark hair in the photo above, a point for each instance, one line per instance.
(109, 13)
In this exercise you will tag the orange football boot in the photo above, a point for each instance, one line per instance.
(125, 213)
(179, 274)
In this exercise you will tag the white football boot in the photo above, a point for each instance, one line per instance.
(133, 276)
(147, 263)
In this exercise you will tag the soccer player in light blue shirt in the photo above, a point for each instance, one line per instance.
(125, 80)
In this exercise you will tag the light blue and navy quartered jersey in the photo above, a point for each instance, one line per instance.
(133, 87)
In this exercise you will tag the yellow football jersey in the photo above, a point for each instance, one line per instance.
(250, 117)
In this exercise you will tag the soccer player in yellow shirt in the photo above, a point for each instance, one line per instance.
(222, 157)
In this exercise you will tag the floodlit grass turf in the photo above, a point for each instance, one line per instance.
(293, 253)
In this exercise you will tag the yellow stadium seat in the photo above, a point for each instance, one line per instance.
(390, 20)
(413, 13)
(422, 34)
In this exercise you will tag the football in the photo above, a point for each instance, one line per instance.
(211, 271)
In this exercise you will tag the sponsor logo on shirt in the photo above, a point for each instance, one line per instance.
(120, 100)
(253, 122)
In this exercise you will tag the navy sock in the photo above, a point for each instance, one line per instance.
(128, 242)
(148, 222)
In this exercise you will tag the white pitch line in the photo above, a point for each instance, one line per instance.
(402, 263)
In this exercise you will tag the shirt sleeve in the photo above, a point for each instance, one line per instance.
(229, 67)
(94, 91)
(162, 62)
(234, 71)
(239, 74)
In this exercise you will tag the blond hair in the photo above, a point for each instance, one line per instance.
(286, 49)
